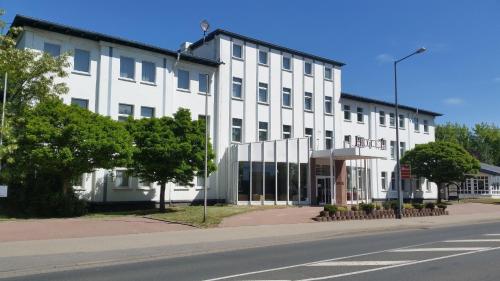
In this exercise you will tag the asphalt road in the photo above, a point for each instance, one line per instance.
(454, 253)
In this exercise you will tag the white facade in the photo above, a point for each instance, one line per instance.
(301, 89)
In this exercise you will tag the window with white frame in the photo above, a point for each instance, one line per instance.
(383, 144)
(308, 101)
(183, 79)
(237, 129)
(360, 115)
(52, 49)
(426, 126)
(287, 131)
(263, 129)
(263, 93)
(125, 111)
(392, 120)
(308, 132)
(127, 68)
(381, 118)
(287, 97)
(347, 112)
(263, 57)
(328, 139)
(328, 105)
(393, 150)
(416, 124)
(402, 149)
(328, 73)
(237, 88)
(83, 103)
(81, 61)
(393, 181)
(122, 179)
(347, 141)
(147, 112)
(401, 121)
(383, 180)
(148, 72)
(203, 83)
(287, 63)
(237, 51)
(307, 68)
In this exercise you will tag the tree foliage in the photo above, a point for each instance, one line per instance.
(169, 149)
(441, 162)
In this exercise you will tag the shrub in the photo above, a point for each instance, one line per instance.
(418, 206)
(342, 208)
(354, 208)
(391, 204)
(368, 208)
(378, 207)
(430, 205)
(407, 206)
(330, 208)
(442, 206)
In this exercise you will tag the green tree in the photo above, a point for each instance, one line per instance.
(441, 162)
(66, 141)
(169, 150)
(454, 132)
(486, 143)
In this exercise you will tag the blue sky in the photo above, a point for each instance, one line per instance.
(458, 76)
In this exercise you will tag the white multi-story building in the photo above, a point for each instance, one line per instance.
(282, 130)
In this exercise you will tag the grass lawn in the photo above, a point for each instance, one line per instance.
(194, 214)
(481, 200)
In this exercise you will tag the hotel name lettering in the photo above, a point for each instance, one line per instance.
(377, 144)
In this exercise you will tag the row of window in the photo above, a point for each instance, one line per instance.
(382, 119)
(263, 96)
(416, 183)
(81, 58)
(286, 61)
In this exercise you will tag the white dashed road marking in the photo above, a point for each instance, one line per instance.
(358, 263)
(472, 240)
(460, 249)
(492, 234)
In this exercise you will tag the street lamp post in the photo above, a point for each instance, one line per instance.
(204, 27)
(396, 109)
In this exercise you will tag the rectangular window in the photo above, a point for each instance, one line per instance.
(203, 83)
(347, 112)
(328, 73)
(287, 131)
(381, 118)
(383, 180)
(287, 63)
(83, 103)
(147, 112)
(81, 61)
(263, 131)
(426, 126)
(125, 111)
(287, 97)
(307, 68)
(393, 181)
(52, 49)
(393, 150)
(122, 179)
(183, 79)
(263, 96)
(360, 115)
(148, 72)
(328, 105)
(402, 149)
(237, 125)
(237, 87)
(237, 51)
(401, 121)
(416, 125)
(308, 101)
(262, 57)
(328, 139)
(347, 141)
(127, 68)
(392, 120)
(308, 132)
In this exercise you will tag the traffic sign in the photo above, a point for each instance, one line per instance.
(405, 172)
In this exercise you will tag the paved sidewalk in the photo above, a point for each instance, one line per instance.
(273, 217)
(24, 257)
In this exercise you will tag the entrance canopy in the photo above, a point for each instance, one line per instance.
(350, 153)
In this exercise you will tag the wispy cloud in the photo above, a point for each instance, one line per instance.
(496, 79)
(453, 101)
(384, 58)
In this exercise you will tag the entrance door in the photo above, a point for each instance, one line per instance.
(323, 190)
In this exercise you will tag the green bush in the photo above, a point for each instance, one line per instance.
(418, 206)
(430, 205)
(367, 207)
(354, 208)
(391, 204)
(442, 206)
(330, 208)
(407, 206)
(378, 207)
(342, 209)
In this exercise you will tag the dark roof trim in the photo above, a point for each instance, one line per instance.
(370, 100)
(20, 21)
(490, 169)
(212, 34)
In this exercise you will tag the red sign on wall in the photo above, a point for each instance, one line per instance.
(405, 172)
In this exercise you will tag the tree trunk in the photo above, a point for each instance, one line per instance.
(440, 188)
(66, 186)
(162, 197)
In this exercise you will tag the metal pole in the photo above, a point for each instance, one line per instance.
(398, 170)
(205, 183)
